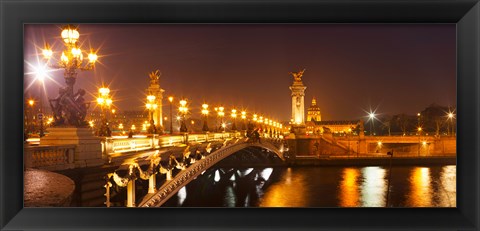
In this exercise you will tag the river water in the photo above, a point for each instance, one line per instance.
(410, 186)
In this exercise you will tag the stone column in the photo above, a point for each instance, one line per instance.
(151, 183)
(131, 193)
(298, 105)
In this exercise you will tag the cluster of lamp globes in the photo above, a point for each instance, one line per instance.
(72, 56)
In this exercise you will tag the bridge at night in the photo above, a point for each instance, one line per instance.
(145, 160)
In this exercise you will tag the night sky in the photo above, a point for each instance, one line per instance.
(350, 68)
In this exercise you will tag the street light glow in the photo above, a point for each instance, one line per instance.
(70, 34)
(205, 109)
(450, 115)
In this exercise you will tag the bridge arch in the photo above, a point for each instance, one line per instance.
(168, 189)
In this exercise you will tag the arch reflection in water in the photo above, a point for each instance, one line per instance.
(410, 186)
(225, 187)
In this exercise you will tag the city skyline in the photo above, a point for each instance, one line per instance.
(247, 66)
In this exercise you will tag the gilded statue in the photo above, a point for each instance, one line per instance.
(297, 76)
(154, 77)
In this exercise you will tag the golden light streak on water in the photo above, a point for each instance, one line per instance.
(374, 187)
(291, 193)
(349, 193)
(448, 181)
(420, 188)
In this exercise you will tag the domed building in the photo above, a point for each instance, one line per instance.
(315, 124)
(313, 112)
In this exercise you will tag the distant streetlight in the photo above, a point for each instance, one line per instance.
(234, 117)
(105, 102)
(170, 99)
(244, 117)
(221, 114)
(451, 118)
(371, 116)
(183, 112)
(205, 114)
(30, 126)
(151, 107)
(419, 130)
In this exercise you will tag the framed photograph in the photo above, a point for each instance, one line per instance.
(248, 115)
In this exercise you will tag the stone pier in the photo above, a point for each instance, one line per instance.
(88, 148)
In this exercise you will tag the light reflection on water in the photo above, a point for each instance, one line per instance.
(373, 187)
(410, 186)
(420, 193)
(286, 193)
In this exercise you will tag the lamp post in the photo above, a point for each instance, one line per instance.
(71, 60)
(104, 101)
(170, 99)
(221, 114)
(451, 117)
(205, 114)
(419, 129)
(183, 111)
(151, 107)
(371, 116)
(31, 102)
(234, 117)
(244, 126)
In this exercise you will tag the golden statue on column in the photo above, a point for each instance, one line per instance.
(297, 76)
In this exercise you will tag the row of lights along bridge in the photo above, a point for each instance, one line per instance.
(105, 101)
(72, 61)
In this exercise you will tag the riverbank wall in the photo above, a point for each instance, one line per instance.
(369, 161)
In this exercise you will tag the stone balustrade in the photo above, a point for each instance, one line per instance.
(49, 157)
(112, 145)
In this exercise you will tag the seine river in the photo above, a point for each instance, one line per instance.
(410, 186)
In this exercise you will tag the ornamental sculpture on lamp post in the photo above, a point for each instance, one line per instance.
(69, 108)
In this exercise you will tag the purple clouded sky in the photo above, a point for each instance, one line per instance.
(397, 68)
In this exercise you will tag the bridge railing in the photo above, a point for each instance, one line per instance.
(123, 144)
(49, 157)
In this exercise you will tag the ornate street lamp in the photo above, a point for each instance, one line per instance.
(151, 107)
(69, 108)
(30, 125)
(234, 117)
(244, 125)
(205, 114)
(221, 114)
(183, 111)
(243, 116)
(105, 102)
(170, 99)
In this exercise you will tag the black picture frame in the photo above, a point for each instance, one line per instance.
(13, 14)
